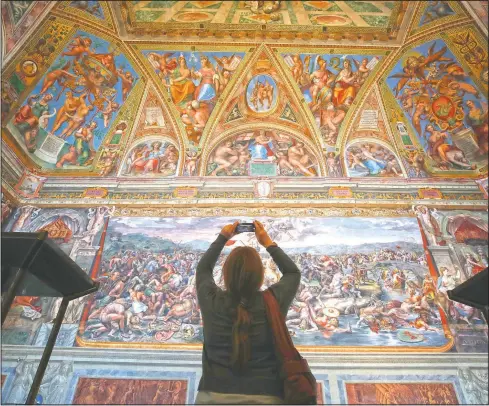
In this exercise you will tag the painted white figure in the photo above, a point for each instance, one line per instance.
(475, 384)
(73, 311)
(97, 217)
(24, 375)
(429, 221)
(24, 213)
(54, 384)
(44, 119)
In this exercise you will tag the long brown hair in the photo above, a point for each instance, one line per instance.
(243, 276)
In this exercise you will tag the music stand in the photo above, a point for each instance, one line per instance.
(33, 265)
(473, 292)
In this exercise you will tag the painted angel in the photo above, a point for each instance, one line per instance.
(415, 67)
(226, 67)
(162, 63)
(191, 162)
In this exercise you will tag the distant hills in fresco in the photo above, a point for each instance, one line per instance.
(141, 241)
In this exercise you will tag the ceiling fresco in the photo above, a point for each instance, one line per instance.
(446, 109)
(66, 116)
(82, 100)
(238, 13)
(330, 84)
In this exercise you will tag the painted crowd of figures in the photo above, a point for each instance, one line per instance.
(194, 83)
(442, 103)
(76, 101)
(330, 83)
(290, 156)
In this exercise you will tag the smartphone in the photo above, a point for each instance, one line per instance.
(245, 228)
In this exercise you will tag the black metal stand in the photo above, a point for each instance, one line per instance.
(54, 274)
(9, 295)
(36, 383)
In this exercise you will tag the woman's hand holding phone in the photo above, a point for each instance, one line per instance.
(261, 234)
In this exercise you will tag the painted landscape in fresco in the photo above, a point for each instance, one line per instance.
(329, 84)
(365, 282)
(66, 117)
(262, 153)
(446, 109)
(194, 81)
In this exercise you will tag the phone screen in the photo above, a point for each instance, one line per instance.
(245, 228)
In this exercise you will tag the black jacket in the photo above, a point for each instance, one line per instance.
(261, 375)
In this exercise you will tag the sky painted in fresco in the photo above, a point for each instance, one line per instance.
(305, 232)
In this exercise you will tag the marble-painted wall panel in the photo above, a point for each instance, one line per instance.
(76, 378)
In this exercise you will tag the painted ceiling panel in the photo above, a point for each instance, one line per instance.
(85, 96)
(445, 107)
(64, 119)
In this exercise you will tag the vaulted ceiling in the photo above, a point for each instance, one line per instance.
(159, 89)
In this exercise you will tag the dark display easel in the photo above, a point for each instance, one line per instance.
(33, 265)
(473, 292)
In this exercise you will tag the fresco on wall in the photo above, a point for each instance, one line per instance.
(194, 81)
(458, 241)
(329, 84)
(7, 208)
(261, 94)
(102, 391)
(311, 13)
(77, 231)
(371, 159)
(91, 6)
(370, 122)
(154, 158)
(446, 110)
(17, 18)
(401, 393)
(65, 118)
(481, 9)
(361, 287)
(262, 153)
(434, 10)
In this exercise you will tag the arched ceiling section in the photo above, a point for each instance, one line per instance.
(262, 150)
(274, 21)
(19, 20)
(437, 85)
(262, 92)
(95, 12)
(203, 71)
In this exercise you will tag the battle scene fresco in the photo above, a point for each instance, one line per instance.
(458, 241)
(371, 159)
(330, 84)
(262, 153)
(77, 232)
(444, 106)
(194, 81)
(366, 285)
(65, 118)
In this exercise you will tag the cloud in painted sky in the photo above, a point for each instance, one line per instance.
(304, 232)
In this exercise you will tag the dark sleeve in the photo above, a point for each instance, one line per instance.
(285, 289)
(204, 280)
